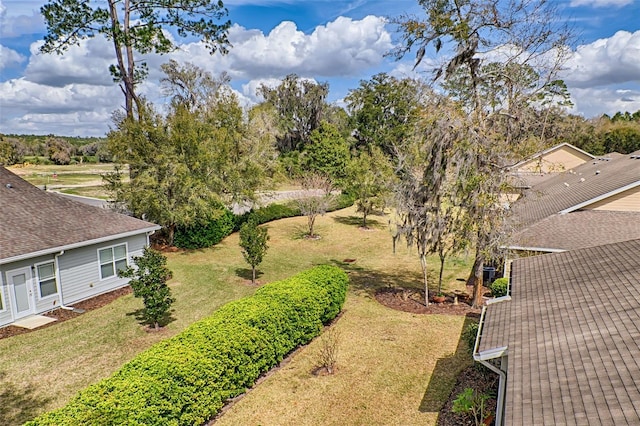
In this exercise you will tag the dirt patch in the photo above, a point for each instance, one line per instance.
(412, 300)
(483, 381)
(64, 314)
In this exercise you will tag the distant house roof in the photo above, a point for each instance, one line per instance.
(573, 337)
(580, 229)
(35, 222)
(550, 150)
(576, 188)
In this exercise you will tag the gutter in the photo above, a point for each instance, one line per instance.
(56, 265)
(486, 356)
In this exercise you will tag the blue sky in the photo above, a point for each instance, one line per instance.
(337, 41)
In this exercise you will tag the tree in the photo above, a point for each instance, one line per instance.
(135, 27)
(59, 150)
(384, 111)
(370, 179)
(317, 200)
(327, 153)
(253, 241)
(300, 105)
(12, 151)
(191, 86)
(189, 161)
(523, 32)
(149, 282)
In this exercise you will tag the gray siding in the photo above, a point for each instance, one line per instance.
(80, 270)
(78, 279)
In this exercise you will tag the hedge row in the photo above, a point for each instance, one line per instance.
(214, 231)
(186, 379)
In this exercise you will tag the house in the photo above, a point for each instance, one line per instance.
(566, 339)
(595, 203)
(55, 251)
(546, 163)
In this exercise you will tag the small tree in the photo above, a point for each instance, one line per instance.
(317, 199)
(149, 281)
(253, 241)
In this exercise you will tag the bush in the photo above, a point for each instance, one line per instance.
(206, 234)
(499, 287)
(186, 380)
(469, 335)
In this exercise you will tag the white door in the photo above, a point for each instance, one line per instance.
(21, 292)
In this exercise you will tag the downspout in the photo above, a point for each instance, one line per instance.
(56, 265)
(494, 353)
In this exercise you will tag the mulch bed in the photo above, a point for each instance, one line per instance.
(412, 300)
(64, 314)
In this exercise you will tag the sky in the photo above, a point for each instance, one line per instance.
(341, 42)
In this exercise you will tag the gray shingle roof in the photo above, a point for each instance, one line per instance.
(573, 334)
(573, 187)
(579, 229)
(32, 220)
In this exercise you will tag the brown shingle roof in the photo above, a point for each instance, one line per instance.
(579, 229)
(573, 187)
(573, 337)
(34, 221)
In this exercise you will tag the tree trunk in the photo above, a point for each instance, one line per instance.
(364, 218)
(172, 231)
(156, 326)
(253, 275)
(312, 221)
(423, 263)
(475, 279)
(440, 275)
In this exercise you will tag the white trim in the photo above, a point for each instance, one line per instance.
(541, 249)
(3, 308)
(113, 260)
(85, 243)
(37, 280)
(601, 197)
(553, 148)
(12, 294)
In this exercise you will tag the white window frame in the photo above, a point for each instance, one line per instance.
(113, 260)
(55, 279)
(3, 306)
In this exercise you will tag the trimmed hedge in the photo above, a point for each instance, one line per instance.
(499, 287)
(186, 379)
(206, 234)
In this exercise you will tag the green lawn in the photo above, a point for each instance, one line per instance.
(390, 364)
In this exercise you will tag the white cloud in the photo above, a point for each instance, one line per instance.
(9, 58)
(601, 3)
(342, 47)
(24, 19)
(592, 102)
(606, 61)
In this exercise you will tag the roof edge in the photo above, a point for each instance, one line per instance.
(540, 249)
(553, 148)
(78, 244)
(601, 197)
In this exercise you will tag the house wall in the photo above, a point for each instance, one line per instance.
(627, 201)
(80, 270)
(559, 160)
(79, 276)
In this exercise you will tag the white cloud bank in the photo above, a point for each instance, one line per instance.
(77, 86)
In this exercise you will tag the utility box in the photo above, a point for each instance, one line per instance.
(488, 275)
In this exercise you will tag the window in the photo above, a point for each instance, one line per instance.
(47, 279)
(112, 259)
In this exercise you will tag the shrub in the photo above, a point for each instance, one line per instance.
(186, 379)
(207, 233)
(469, 335)
(499, 287)
(471, 403)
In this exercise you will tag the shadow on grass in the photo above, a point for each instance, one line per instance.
(166, 319)
(19, 404)
(445, 374)
(247, 274)
(357, 221)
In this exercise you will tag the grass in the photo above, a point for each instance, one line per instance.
(388, 360)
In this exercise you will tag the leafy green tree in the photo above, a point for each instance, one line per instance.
(149, 282)
(300, 106)
(135, 27)
(253, 240)
(370, 179)
(327, 153)
(384, 110)
(59, 150)
(11, 151)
